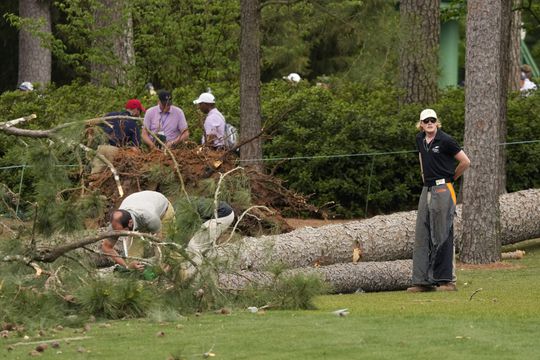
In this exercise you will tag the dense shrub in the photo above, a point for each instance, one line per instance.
(320, 140)
(334, 134)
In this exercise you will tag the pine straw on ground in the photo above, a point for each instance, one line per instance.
(196, 163)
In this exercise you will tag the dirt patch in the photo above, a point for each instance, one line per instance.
(492, 266)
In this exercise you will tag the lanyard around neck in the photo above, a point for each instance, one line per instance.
(162, 120)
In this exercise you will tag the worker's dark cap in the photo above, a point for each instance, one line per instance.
(165, 96)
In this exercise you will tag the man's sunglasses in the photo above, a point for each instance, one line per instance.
(429, 120)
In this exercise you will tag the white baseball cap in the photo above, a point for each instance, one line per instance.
(293, 77)
(26, 86)
(205, 98)
(428, 113)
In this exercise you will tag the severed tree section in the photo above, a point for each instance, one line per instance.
(343, 278)
(381, 238)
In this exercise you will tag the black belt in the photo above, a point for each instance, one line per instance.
(436, 182)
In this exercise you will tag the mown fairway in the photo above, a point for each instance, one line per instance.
(501, 321)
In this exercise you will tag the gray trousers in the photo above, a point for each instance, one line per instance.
(433, 253)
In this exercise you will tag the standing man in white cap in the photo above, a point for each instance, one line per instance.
(433, 254)
(214, 123)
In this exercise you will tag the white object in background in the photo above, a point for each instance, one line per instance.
(293, 77)
(341, 312)
(26, 86)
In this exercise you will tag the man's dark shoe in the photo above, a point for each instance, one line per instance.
(446, 287)
(420, 288)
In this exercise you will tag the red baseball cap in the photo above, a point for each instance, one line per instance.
(135, 104)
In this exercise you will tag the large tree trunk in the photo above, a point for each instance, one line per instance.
(35, 60)
(343, 278)
(485, 105)
(514, 72)
(419, 44)
(381, 238)
(250, 77)
(113, 43)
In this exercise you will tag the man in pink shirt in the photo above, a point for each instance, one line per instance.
(165, 121)
(214, 124)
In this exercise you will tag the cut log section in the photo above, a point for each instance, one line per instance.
(381, 238)
(343, 278)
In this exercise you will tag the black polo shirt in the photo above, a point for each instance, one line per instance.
(438, 156)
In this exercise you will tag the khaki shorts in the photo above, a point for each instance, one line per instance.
(109, 152)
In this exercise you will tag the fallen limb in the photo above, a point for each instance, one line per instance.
(381, 238)
(10, 129)
(342, 278)
(50, 254)
(14, 122)
(26, 343)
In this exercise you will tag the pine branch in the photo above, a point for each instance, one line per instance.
(10, 129)
(246, 212)
(17, 121)
(49, 255)
(216, 194)
(176, 166)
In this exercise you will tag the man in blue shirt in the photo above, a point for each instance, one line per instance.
(124, 132)
(121, 133)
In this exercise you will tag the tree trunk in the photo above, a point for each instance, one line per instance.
(485, 84)
(381, 238)
(250, 77)
(35, 60)
(343, 278)
(514, 49)
(113, 43)
(419, 44)
(513, 74)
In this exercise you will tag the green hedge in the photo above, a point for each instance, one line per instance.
(326, 132)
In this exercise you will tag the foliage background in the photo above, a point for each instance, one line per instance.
(350, 47)
(320, 134)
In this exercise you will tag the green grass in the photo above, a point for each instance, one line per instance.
(502, 321)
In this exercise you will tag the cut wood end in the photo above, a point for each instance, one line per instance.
(518, 254)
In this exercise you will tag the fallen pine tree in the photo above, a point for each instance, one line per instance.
(381, 238)
(343, 278)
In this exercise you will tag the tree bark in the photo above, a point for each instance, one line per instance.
(343, 278)
(418, 56)
(35, 60)
(113, 43)
(381, 238)
(485, 94)
(514, 48)
(513, 74)
(250, 77)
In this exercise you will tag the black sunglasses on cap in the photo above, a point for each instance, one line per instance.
(429, 120)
